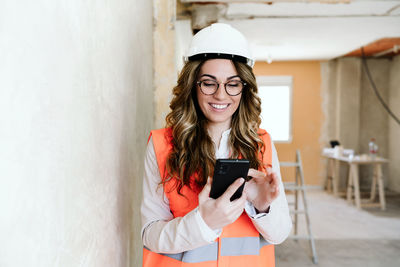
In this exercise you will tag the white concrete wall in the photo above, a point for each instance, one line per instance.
(75, 110)
(394, 128)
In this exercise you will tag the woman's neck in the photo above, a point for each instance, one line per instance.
(215, 131)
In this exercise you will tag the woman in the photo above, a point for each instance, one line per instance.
(215, 113)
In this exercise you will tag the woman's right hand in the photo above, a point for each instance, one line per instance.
(220, 212)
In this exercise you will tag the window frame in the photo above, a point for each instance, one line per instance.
(281, 80)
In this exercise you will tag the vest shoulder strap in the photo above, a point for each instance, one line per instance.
(162, 141)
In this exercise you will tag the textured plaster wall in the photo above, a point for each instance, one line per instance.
(348, 82)
(75, 109)
(394, 128)
(348, 99)
(373, 117)
(165, 73)
(328, 98)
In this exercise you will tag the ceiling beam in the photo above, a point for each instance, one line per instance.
(263, 1)
(354, 9)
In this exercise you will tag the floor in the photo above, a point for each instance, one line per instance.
(345, 236)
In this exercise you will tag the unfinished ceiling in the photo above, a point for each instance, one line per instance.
(299, 30)
(386, 47)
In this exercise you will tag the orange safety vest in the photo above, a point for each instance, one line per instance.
(239, 244)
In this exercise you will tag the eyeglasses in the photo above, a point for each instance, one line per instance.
(232, 88)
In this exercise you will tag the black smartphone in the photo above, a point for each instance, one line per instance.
(225, 173)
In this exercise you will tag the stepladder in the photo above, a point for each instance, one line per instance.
(298, 189)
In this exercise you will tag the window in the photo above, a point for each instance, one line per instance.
(276, 106)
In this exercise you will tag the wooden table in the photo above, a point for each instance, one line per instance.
(353, 186)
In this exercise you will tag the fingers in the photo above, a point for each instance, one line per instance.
(262, 177)
(232, 189)
(274, 186)
(274, 183)
(205, 193)
(209, 182)
(218, 213)
(237, 206)
(269, 177)
(256, 174)
(240, 201)
(259, 177)
(269, 170)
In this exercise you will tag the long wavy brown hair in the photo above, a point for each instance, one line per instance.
(193, 151)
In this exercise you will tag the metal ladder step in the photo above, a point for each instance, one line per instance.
(288, 164)
(295, 188)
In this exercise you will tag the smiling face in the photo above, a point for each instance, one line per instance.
(219, 107)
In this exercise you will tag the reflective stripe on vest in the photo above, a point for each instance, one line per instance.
(204, 253)
(237, 246)
(230, 246)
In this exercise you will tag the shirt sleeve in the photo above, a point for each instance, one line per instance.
(275, 225)
(161, 232)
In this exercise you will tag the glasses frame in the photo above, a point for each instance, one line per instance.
(216, 90)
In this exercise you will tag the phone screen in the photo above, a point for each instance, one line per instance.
(225, 173)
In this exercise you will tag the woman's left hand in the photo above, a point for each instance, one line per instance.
(262, 189)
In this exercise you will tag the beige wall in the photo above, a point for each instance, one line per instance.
(76, 105)
(373, 117)
(306, 114)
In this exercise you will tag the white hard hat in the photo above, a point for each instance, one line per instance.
(219, 40)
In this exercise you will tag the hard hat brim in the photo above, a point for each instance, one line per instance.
(206, 56)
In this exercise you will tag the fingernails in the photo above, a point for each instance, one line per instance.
(241, 180)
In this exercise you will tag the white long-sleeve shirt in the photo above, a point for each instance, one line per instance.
(162, 233)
